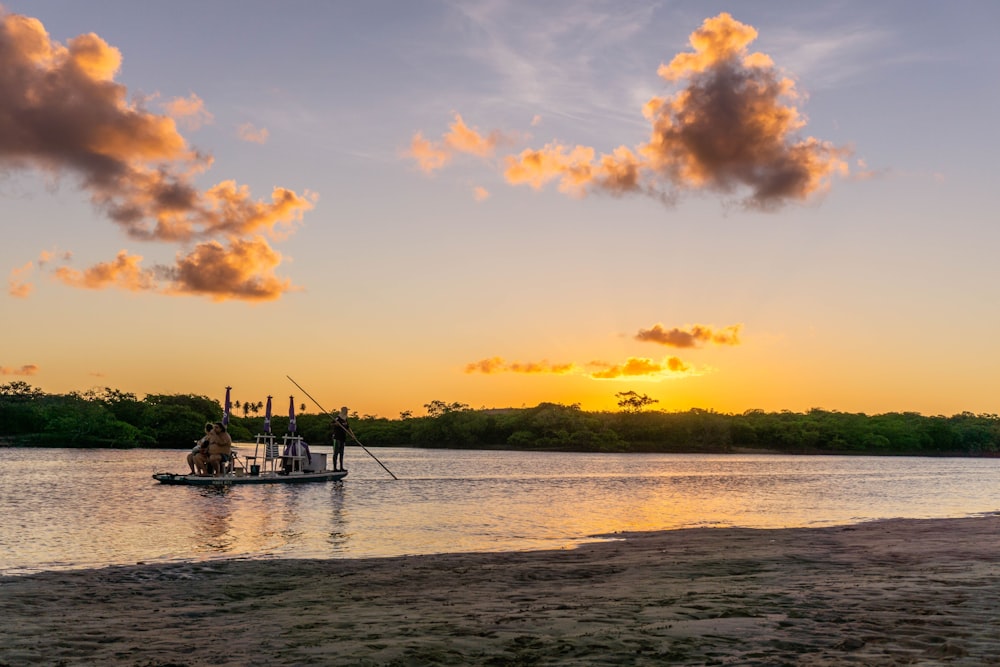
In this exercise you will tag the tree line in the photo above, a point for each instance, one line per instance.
(111, 418)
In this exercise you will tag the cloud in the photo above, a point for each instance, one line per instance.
(244, 270)
(253, 134)
(494, 365)
(428, 155)
(863, 172)
(731, 127)
(538, 167)
(460, 138)
(61, 112)
(190, 111)
(636, 367)
(27, 369)
(480, 193)
(46, 256)
(693, 336)
(633, 367)
(17, 287)
(123, 272)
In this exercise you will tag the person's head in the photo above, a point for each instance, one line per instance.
(343, 411)
(220, 427)
(208, 427)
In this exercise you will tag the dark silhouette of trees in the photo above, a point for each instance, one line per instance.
(111, 418)
(629, 401)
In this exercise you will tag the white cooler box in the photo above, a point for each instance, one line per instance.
(317, 462)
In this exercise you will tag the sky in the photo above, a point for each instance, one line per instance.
(725, 206)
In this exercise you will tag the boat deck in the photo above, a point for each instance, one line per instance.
(262, 478)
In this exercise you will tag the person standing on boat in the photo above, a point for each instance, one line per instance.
(199, 455)
(220, 448)
(340, 432)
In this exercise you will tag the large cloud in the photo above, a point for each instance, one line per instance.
(731, 127)
(62, 112)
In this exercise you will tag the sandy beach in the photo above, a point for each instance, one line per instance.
(896, 592)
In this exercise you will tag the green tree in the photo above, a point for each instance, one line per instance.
(630, 401)
(19, 389)
(438, 408)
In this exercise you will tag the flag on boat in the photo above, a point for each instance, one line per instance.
(291, 414)
(267, 417)
(229, 406)
(297, 447)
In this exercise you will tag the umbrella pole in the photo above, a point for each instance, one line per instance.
(348, 430)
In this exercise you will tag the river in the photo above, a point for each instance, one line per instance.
(80, 508)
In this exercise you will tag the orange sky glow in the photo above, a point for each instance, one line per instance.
(502, 205)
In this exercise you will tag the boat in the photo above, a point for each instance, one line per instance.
(288, 462)
(278, 477)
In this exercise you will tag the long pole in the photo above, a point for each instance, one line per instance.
(348, 428)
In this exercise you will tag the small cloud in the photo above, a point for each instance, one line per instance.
(123, 272)
(464, 139)
(189, 111)
(863, 173)
(635, 367)
(692, 336)
(429, 157)
(460, 138)
(248, 132)
(536, 120)
(480, 193)
(537, 167)
(46, 256)
(27, 369)
(494, 365)
(18, 287)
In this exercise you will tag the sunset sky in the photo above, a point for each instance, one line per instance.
(728, 206)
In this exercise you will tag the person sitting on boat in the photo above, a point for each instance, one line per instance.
(220, 448)
(198, 457)
(340, 432)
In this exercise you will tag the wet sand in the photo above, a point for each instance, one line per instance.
(899, 592)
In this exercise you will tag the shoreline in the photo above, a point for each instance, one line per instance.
(895, 591)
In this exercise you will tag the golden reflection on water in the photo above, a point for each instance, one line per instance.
(84, 508)
(260, 523)
(212, 523)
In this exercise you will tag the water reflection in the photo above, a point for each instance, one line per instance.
(80, 508)
(212, 521)
(338, 538)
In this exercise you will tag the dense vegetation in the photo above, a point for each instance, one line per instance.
(110, 418)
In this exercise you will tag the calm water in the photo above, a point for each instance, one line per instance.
(65, 508)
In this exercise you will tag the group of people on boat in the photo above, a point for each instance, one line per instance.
(213, 452)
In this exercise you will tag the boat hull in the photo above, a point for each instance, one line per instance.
(263, 478)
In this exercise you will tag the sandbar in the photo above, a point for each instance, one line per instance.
(892, 592)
